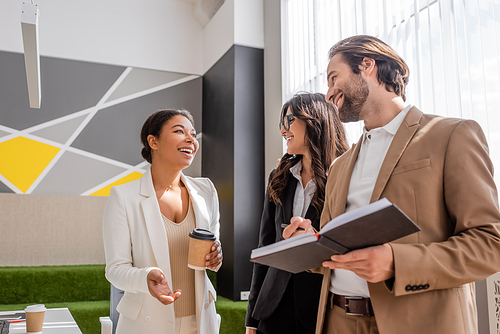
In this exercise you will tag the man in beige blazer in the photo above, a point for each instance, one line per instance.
(436, 170)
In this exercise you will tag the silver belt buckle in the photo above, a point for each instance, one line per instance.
(347, 298)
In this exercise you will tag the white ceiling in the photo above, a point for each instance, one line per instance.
(204, 10)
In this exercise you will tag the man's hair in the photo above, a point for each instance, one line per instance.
(392, 70)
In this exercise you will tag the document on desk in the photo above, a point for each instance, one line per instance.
(375, 224)
(13, 316)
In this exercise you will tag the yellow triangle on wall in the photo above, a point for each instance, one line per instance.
(106, 190)
(22, 160)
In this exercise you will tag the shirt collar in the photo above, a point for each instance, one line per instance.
(393, 126)
(296, 169)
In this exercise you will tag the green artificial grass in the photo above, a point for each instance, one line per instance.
(53, 284)
(232, 315)
(84, 290)
(87, 314)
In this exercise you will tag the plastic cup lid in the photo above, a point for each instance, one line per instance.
(202, 234)
(35, 308)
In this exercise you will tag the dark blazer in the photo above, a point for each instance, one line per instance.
(269, 284)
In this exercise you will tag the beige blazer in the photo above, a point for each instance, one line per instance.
(135, 242)
(437, 170)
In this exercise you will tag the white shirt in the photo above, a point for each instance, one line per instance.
(374, 146)
(303, 196)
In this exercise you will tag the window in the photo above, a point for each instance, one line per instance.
(452, 48)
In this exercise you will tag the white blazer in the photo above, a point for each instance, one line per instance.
(135, 242)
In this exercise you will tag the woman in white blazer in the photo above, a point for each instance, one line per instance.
(135, 228)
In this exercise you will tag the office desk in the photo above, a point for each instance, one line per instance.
(56, 321)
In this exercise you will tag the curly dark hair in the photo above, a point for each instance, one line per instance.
(154, 124)
(325, 138)
(392, 69)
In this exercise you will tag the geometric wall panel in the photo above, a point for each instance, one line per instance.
(68, 86)
(73, 174)
(22, 160)
(60, 132)
(97, 108)
(114, 132)
(140, 79)
(107, 189)
(5, 189)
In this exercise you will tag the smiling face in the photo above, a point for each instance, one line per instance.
(346, 89)
(176, 145)
(295, 136)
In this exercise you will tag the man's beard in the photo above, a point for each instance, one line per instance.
(355, 96)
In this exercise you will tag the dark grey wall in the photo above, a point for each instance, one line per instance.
(233, 157)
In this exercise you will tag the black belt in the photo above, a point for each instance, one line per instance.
(352, 305)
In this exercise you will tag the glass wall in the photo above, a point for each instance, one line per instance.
(451, 46)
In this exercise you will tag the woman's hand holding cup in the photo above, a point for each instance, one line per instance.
(158, 288)
(205, 250)
(214, 258)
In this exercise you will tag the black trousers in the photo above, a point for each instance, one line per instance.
(285, 318)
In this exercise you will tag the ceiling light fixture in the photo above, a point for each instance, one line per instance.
(29, 27)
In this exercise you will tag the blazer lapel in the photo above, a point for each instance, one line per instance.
(311, 214)
(287, 198)
(344, 179)
(154, 223)
(199, 204)
(399, 143)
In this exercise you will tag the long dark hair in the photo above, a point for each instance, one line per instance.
(325, 138)
(154, 124)
(392, 69)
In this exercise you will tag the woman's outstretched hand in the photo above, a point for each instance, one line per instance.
(214, 258)
(158, 288)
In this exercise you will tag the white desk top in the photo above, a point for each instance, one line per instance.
(56, 321)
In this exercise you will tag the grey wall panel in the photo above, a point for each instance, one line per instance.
(233, 157)
(5, 189)
(60, 132)
(115, 131)
(2, 133)
(141, 79)
(67, 86)
(74, 174)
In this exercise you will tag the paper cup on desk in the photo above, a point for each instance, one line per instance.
(200, 244)
(34, 318)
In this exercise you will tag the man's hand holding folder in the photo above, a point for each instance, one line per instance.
(357, 240)
(374, 264)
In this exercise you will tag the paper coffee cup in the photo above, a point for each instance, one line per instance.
(34, 318)
(200, 244)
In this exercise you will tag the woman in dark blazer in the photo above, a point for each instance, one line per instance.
(281, 302)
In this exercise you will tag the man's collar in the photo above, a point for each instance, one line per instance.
(393, 126)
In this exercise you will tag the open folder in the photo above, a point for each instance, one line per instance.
(371, 225)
